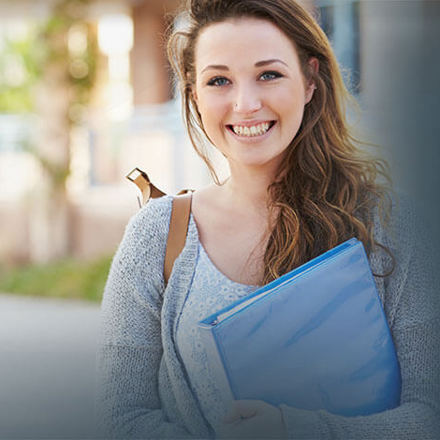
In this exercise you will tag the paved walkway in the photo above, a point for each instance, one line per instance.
(47, 363)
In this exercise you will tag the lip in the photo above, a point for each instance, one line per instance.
(251, 123)
(251, 139)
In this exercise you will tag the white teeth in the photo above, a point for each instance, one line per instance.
(254, 130)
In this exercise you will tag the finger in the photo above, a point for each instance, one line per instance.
(233, 416)
(242, 409)
(248, 408)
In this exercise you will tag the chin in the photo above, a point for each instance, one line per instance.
(258, 162)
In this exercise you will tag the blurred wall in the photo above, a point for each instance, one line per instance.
(401, 67)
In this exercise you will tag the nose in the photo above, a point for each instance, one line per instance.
(247, 99)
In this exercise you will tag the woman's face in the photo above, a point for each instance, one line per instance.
(249, 90)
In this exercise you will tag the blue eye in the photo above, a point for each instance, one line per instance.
(267, 76)
(218, 81)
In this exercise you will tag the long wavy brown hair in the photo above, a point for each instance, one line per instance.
(328, 187)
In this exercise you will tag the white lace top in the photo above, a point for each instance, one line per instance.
(210, 291)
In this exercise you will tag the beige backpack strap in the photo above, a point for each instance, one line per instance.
(178, 229)
(179, 216)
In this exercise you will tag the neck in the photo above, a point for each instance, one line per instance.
(247, 190)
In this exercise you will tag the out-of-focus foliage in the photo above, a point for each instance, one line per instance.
(60, 54)
(19, 71)
(66, 39)
(62, 279)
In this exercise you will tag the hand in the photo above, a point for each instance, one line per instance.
(253, 419)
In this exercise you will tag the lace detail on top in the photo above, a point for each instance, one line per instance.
(210, 291)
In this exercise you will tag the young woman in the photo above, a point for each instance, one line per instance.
(261, 84)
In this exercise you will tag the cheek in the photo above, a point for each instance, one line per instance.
(291, 106)
(212, 110)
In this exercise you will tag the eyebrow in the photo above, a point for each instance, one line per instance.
(266, 62)
(257, 64)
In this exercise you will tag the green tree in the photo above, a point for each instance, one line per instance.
(65, 53)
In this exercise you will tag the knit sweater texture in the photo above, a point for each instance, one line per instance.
(144, 390)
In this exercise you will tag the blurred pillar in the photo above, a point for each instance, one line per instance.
(150, 69)
(155, 136)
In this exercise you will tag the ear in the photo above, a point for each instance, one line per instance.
(313, 66)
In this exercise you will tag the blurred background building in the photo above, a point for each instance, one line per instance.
(74, 122)
(86, 94)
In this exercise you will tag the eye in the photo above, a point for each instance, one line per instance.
(269, 75)
(218, 81)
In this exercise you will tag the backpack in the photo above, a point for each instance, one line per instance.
(180, 213)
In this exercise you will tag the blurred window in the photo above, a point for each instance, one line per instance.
(15, 132)
(339, 19)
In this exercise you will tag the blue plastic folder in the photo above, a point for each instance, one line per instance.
(315, 338)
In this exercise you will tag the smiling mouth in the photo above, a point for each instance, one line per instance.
(251, 131)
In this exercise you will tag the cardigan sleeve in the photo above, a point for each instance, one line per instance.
(411, 302)
(130, 349)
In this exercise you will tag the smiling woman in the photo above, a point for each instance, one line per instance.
(260, 82)
(268, 64)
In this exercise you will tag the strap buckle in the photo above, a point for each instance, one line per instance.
(142, 181)
(135, 173)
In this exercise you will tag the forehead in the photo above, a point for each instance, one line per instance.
(242, 40)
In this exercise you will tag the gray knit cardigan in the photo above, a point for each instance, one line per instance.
(143, 388)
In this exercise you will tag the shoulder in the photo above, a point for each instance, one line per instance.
(207, 196)
(143, 246)
(396, 221)
(206, 204)
(411, 286)
(152, 219)
(148, 228)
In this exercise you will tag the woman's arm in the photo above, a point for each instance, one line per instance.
(412, 305)
(130, 347)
